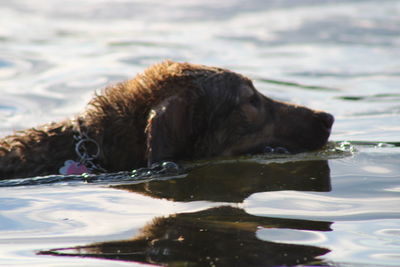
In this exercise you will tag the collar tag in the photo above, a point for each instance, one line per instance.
(73, 167)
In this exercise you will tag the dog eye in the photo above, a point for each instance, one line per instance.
(254, 100)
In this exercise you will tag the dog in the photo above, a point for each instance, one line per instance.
(170, 112)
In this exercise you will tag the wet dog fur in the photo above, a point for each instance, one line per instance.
(172, 111)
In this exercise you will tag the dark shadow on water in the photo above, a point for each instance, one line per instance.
(234, 182)
(295, 84)
(223, 236)
(372, 98)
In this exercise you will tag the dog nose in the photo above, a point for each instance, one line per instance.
(326, 119)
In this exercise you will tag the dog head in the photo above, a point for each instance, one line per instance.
(220, 113)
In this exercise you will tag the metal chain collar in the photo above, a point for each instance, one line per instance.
(85, 157)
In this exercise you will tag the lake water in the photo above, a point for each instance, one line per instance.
(338, 207)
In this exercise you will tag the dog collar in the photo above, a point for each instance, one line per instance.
(86, 160)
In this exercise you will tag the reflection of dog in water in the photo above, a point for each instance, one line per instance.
(233, 182)
(223, 236)
(172, 111)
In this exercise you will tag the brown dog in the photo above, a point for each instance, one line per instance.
(172, 111)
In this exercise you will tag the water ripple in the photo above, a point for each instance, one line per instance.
(11, 67)
(323, 207)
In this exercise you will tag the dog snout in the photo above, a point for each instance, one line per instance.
(326, 119)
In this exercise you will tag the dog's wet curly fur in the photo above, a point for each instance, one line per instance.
(172, 111)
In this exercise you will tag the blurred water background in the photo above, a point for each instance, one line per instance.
(341, 56)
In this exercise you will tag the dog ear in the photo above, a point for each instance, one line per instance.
(168, 130)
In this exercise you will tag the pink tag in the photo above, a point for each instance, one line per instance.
(73, 167)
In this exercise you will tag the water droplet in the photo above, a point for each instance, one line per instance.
(268, 149)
